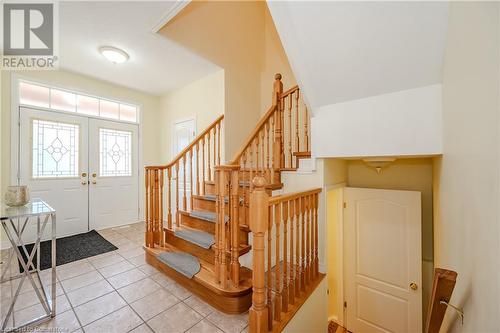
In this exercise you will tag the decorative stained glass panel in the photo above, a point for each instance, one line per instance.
(115, 153)
(55, 148)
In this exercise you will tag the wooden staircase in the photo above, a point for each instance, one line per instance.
(195, 205)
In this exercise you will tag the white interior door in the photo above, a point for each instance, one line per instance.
(53, 161)
(184, 132)
(382, 237)
(114, 180)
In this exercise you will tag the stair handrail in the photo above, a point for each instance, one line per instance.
(284, 278)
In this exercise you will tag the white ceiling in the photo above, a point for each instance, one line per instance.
(343, 51)
(156, 64)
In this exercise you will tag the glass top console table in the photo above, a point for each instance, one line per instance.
(14, 222)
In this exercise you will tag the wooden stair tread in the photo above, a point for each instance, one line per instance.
(184, 212)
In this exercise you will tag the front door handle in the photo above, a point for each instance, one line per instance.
(413, 286)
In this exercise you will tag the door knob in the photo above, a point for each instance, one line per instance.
(413, 286)
(84, 174)
(94, 175)
(84, 182)
(94, 182)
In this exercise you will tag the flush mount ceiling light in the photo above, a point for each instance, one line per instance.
(113, 54)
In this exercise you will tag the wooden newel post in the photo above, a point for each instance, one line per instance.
(278, 128)
(259, 219)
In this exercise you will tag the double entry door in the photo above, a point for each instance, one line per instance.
(85, 168)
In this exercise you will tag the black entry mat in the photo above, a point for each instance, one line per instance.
(69, 249)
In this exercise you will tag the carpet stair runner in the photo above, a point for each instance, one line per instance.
(200, 238)
(206, 216)
(183, 263)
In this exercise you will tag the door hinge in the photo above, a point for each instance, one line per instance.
(345, 204)
(345, 304)
(328, 291)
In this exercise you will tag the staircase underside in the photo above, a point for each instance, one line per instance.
(231, 300)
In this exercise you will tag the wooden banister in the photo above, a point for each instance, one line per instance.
(442, 288)
(164, 201)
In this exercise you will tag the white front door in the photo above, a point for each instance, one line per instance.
(114, 181)
(86, 168)
(53, 162)
(383, 288)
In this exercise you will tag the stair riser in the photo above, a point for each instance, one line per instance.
(196, 223)
(204, 204)
(232, 304)
(185, 246)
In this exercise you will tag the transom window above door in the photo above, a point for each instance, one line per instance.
(31, 94)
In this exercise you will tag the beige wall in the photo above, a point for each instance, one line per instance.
(240, 38)
(312, 316)
(149, 106)
(202, 99)
(466, 220)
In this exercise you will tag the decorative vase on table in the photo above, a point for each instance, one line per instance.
(17, 195)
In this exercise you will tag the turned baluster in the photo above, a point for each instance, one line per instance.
(169, 185)
(283, 136)
(235, 227)
(291, 287)
(306, 130)
(284, 294)
(277, 146)
(149, 227)
(218, 143)
(263, 158)
(191, 179)
(268, 154)
(307, 221)
(258, 316)
(203, 164)
(278, 278)
(208, 157)
(257, 167)
(215, 146)
(250, 150)
(184, 197)
(198, 168)
(316, 260)
(297, 247)
(246, 192)
(177, 222)
(302, 244)
(269, 262)
(160, 215)
(152, 205)
(290, 104)
(297, 119)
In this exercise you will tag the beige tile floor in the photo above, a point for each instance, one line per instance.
(118, 292)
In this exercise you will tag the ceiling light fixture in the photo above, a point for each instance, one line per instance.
(113, 54)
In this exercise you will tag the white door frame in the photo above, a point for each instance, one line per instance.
(15, 123)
